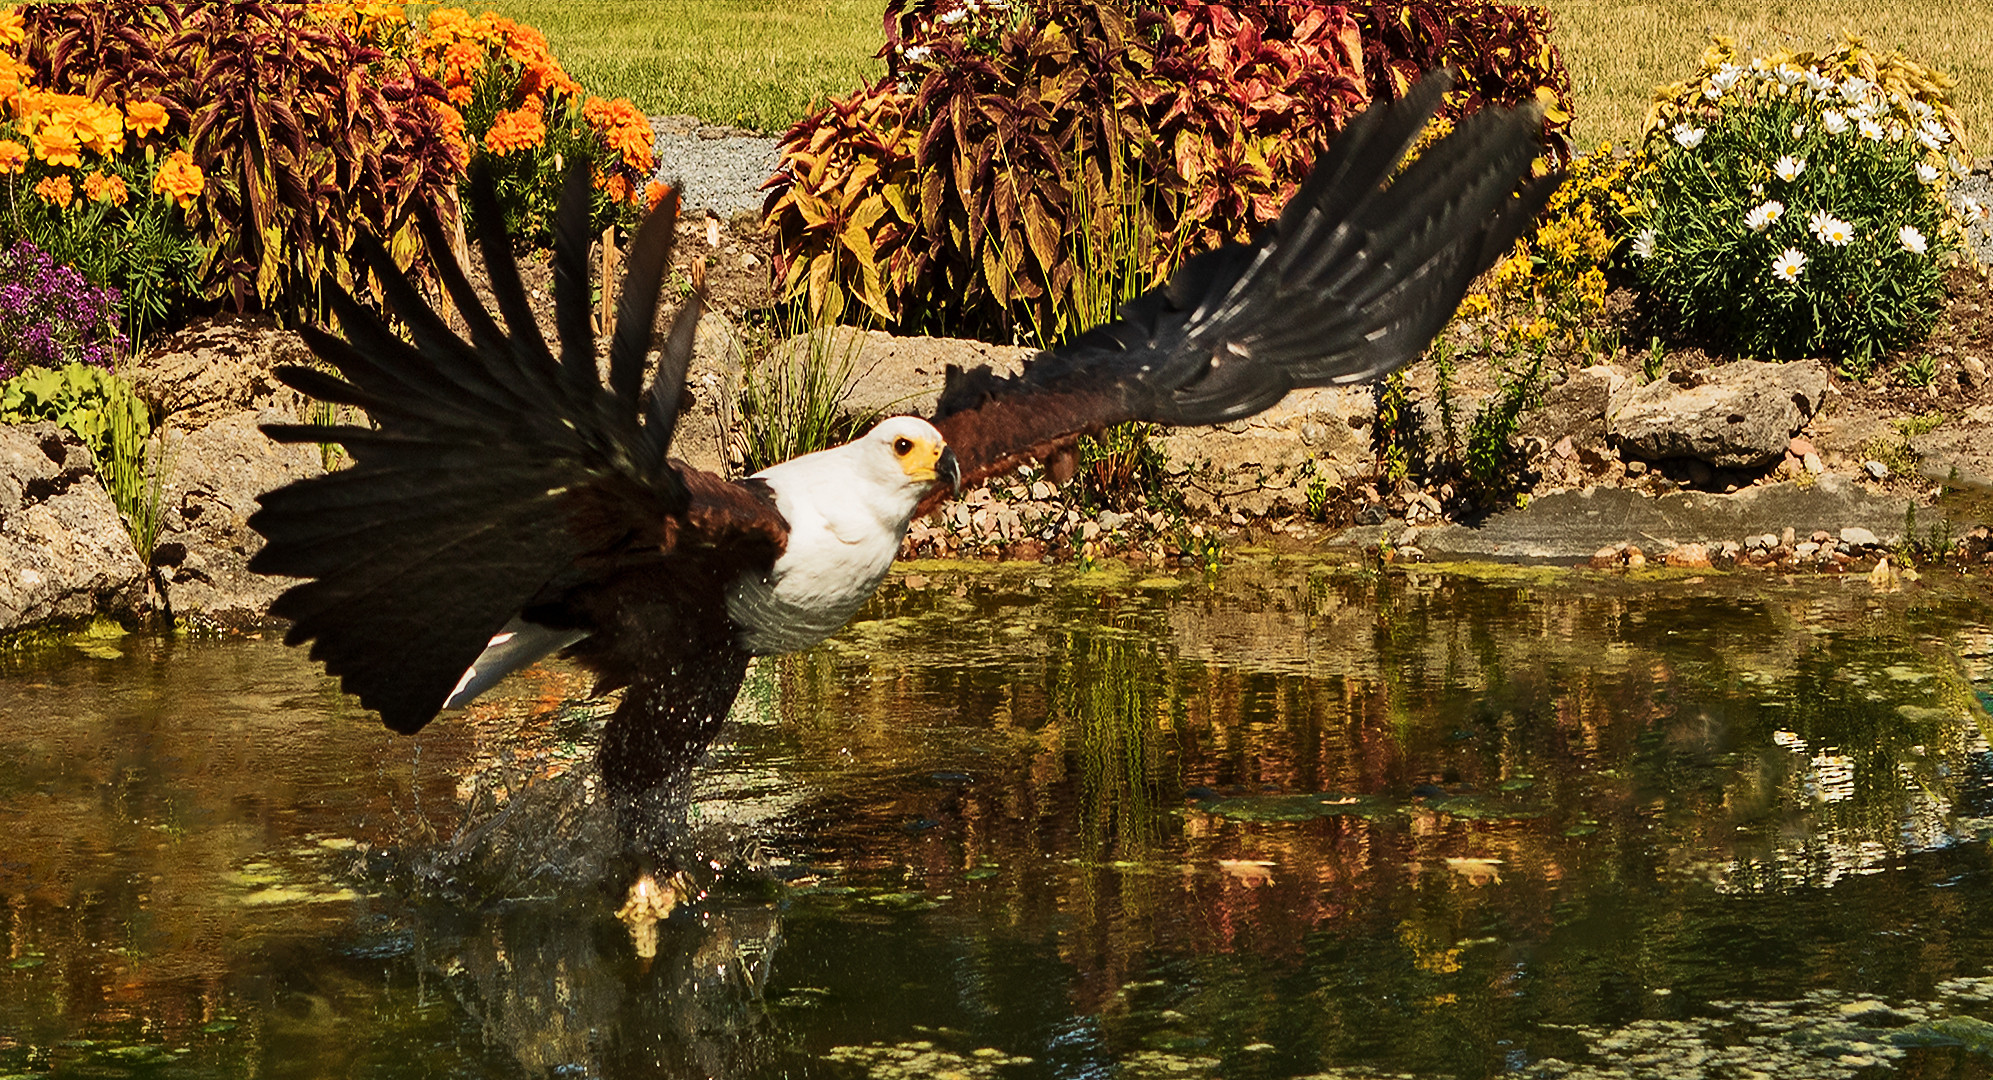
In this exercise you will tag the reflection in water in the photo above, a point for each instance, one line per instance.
(1020, 822)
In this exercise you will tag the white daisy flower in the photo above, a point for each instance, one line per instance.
(1726, 77)
(1871, 130)
(1688, 137)
(1960, 169)
(1927, 172)
(1854, 88)
(1788, 265)
(1817, 82)
(1932, 134)
(1830, 229)
(1762, 215)
(1799, 131)
(1712, 93)
(1789, 168)
(956, 15)
(1913, 241)
(1897, 131)
(916, 54)
(1643, 244)
(1835, 121)
(1975, 212)
(1791, 76)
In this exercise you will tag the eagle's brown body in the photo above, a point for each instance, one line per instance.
(508, 500)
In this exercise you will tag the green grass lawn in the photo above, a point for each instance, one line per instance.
(752, 63)
(760, 63)
(1619, 50)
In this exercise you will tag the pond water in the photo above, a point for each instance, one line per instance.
(1295, 819)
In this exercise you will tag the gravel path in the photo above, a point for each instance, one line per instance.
(720, 168)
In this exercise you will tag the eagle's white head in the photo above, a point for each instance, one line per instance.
(905, 452)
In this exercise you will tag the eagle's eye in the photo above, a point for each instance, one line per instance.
(903, 446)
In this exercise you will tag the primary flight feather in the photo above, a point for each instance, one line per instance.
(507, 502)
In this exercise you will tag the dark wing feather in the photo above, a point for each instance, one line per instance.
(497, 477)
(1354, 280)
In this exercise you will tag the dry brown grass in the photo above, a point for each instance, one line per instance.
(1619, 50)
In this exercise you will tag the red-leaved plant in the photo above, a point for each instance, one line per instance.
(1043, 132)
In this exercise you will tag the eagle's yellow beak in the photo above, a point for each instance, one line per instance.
(930, 461)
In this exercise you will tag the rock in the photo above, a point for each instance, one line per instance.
(1974, 370)
(1958, 452)
(217, 368)
(708, 409)
(64, 551)
(1689, 557)
(204, 538)
(1569, 526)
(1636, 468)
(1857, 537)
(1263, 465)
(1876, 470)
(1800, 446)
(1572, 418)
(1814, 466)
(890, 375)
(1605, 558)
(1743, 415)
(1635, 558)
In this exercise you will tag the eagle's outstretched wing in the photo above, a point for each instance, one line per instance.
(497, 479)
(1356, 278)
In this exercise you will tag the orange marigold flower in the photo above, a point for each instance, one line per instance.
(145, 117)
(56, 144)
(12, 29)
(520, 129)
(103, 187)
(13, 77)
(56, 190)
(654, 193)
(100, 128)
(618, 187)
(625, 128)
(180, 178)
(13, 156)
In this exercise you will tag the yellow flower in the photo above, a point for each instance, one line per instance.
(13, 156)
(102, 187)
(56, 190)
(145, 117)
(100, 128)
(56, 144)
(180, 178)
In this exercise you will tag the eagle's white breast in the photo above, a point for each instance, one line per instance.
(848, 509)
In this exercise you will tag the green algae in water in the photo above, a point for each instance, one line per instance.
(1369, 807)
(1300, 807)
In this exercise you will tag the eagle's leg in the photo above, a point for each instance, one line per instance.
(648, 750)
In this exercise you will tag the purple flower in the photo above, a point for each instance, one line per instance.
(50, 316)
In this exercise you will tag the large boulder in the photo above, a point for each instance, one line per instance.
(64, 551)
(1960, 450)
(901, 375)
(1740, 415)
(219, 368)
(205, 541)
(1266, 463)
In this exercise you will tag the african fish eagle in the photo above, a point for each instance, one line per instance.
(506, 502)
